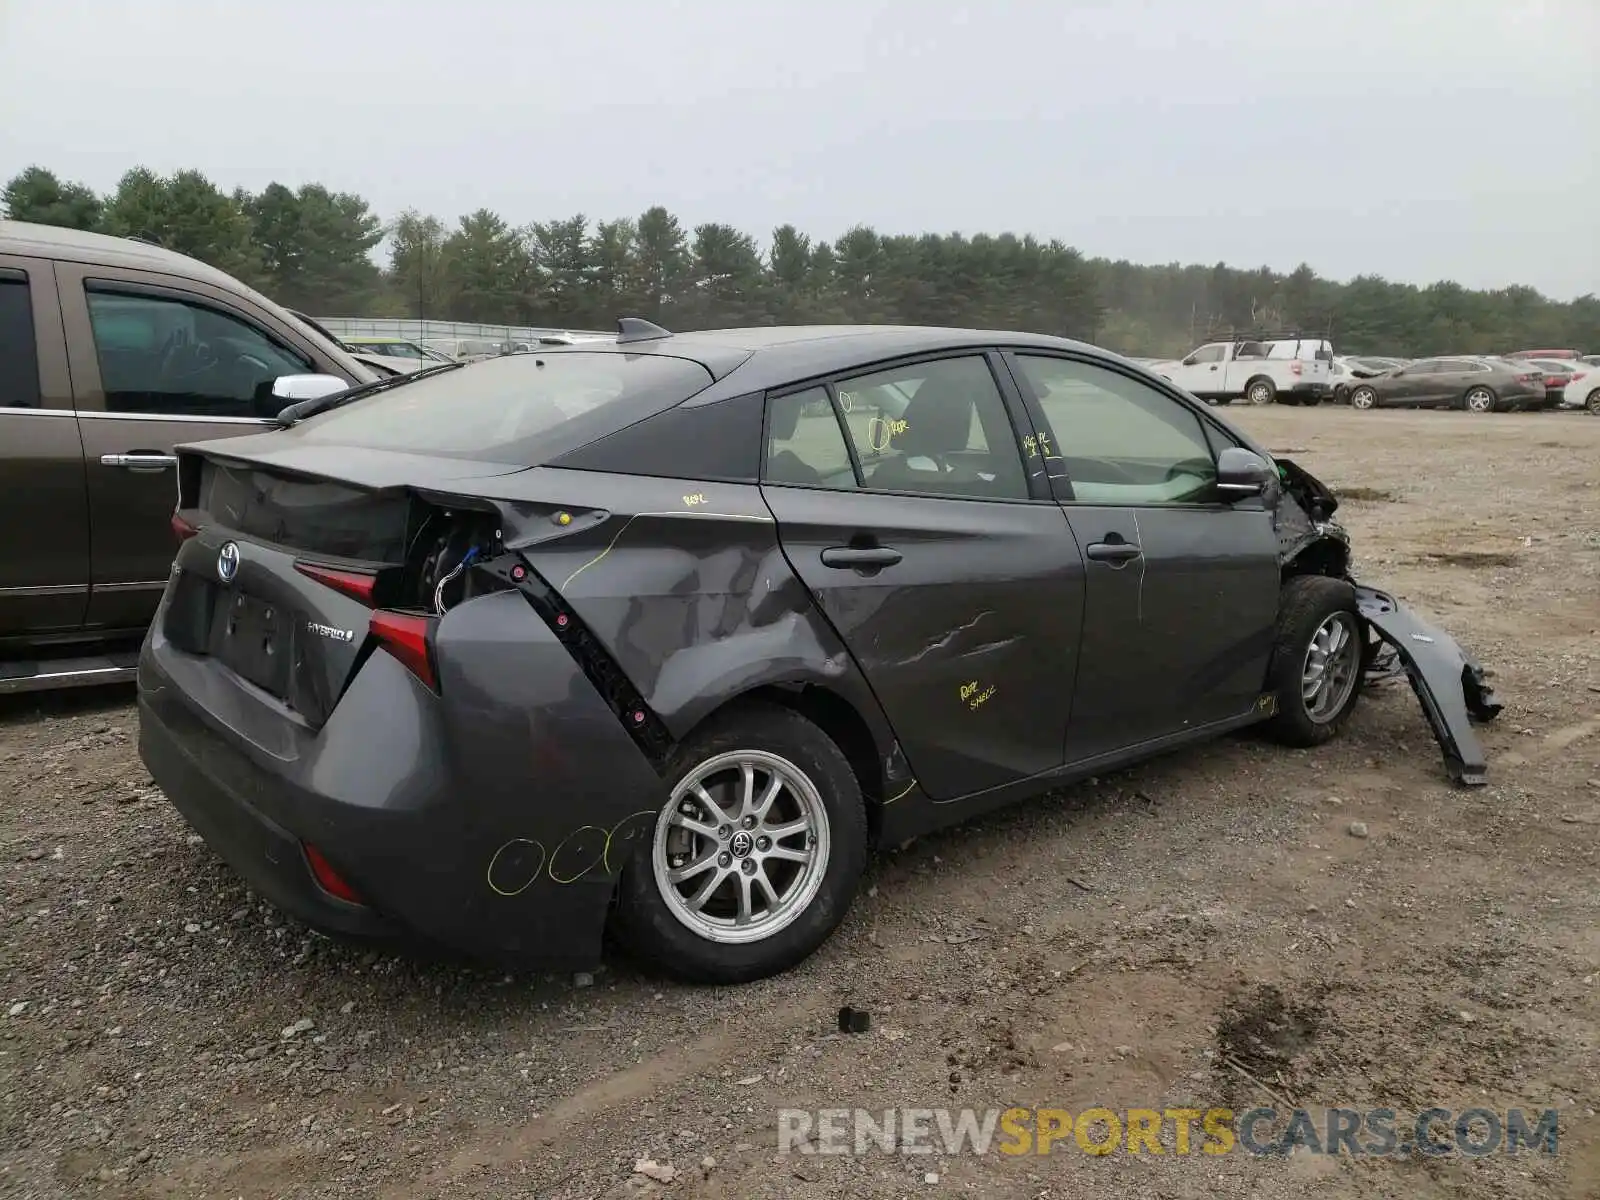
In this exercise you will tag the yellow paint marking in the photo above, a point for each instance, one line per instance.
(882, 430)
(551, 870)
(532, 875)
(636, 516)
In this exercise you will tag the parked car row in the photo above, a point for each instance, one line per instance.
(1291, 369)
(1471, 383)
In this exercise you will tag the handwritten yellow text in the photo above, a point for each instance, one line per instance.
(882, 430)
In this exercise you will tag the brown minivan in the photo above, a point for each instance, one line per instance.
(111, 352)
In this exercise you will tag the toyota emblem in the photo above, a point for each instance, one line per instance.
(228, 562)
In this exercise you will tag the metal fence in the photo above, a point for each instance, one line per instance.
(418, 331)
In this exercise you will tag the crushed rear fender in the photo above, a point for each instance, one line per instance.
(1448, 681)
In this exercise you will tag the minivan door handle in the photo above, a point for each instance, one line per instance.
(140, 460)
(854, 558)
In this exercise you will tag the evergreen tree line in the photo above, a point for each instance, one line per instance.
(311, 249)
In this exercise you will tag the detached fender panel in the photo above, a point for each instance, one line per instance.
(1448, 681)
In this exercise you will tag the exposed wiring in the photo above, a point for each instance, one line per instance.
(438, 589)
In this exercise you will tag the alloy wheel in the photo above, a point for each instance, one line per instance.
(1260, 394)
(742, 847)
(1480, 400)
(1332, 663)
(1363, 398)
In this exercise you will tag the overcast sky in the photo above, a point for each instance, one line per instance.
(1418, 139)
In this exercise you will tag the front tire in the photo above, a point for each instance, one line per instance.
(1479, 400)
(1316, 661)
(756, 856)
(1363, 399)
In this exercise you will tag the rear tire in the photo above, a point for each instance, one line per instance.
(1592, 402)
(657, 918)
(1317, 660)
(1261, 390)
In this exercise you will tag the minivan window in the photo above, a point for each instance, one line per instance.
(522, 409)
(171, 358)
(19, 353)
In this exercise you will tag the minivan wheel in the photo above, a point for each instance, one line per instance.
(1363, 398)
(756, 856)
(1261, 391)
(1317, 660)
(1479, 400)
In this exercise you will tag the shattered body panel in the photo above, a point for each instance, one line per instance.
(1449, 683)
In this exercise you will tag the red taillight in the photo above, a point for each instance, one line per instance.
(1577, 375)
(358, 585)
(182, 528)
(406, 637)
(328, 879)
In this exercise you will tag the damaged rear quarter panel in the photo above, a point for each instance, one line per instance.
(686, 586)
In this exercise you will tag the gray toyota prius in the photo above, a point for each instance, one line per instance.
(663, 635)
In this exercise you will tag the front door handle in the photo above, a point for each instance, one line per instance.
(854, 558)
(1113, 552)
(140, 460)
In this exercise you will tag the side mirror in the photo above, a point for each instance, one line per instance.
(1188, 362)
(1242, 473)
(291, 388)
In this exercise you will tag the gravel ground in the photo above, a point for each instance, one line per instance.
(1233, 925)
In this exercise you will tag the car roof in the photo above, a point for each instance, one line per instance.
(772, 356)
(78, 245)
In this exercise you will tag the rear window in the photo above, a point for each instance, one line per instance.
(19, 362)
(523, 409)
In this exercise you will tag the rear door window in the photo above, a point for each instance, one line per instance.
(523, 409)
(938, 427)
(19, 352)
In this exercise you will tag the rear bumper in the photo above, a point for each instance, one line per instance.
(492, 818)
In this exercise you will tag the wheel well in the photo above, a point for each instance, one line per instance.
(837, 718)
(1255, 379)
(1326, 556)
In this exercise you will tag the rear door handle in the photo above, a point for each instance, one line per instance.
(855, 557)
(140, 460)
(1113, 552)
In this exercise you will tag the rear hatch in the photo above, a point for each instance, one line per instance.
(307, 548)
(281, 572)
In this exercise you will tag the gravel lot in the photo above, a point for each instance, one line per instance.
(1233, 925)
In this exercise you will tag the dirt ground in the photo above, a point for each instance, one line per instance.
(1230, 926)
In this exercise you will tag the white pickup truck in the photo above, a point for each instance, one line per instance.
(1283, 370)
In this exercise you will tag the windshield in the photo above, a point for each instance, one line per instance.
(522, 409)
